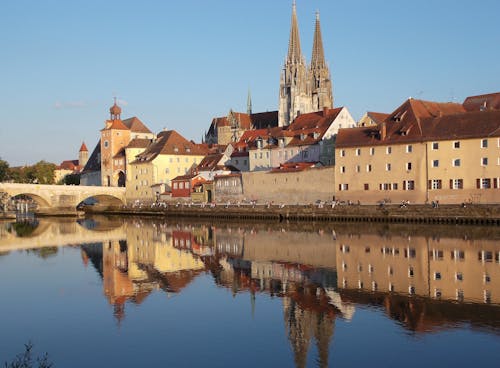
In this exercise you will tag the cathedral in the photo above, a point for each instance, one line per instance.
(303, 88)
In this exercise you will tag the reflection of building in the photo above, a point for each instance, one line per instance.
(439, 268)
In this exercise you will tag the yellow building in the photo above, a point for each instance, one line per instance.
(170, 155)
(423, 152)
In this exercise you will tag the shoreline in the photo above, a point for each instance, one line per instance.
(474, 214)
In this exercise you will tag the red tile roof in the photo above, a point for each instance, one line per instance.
(116, 125)
(420, 127)
(83, 148)
(489, 101)
(293, 167)
(377, 117)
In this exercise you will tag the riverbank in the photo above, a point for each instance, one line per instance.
(474, 214)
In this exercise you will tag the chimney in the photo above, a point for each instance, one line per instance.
(383, 131)
(325, 110)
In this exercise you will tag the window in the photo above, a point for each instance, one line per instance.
(358, 168)
(409, 148)
(167, 171)
(342, 169)
(456, 162)
(484, 143)
(388, 150)
(456, 144)
(343, 187)
(175, 185)
(408, 166)
(367, 186)
(106, 144)
(484, 183)
(435, 163)
(342, 153)
(484, 161)
(435, 145)
(409, 185)
(372, 151)
(388, 167)
(358, 151)
(181, 185)
(456, 184)
(435, 184)
(410, 272)
(437, 276)
(368, 168)
(459, 276)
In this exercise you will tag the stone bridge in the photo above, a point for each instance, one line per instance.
(63, 199)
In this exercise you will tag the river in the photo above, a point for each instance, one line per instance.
(130, 292)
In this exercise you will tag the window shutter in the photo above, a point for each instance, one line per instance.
(478, 183)
(429, 184)
(495, 183)
(451, 183)
(404, 184)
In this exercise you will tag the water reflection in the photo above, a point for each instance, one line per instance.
(427, 279)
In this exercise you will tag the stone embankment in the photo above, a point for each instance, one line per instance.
(474, 214)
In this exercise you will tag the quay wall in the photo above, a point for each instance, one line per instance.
(418, 214)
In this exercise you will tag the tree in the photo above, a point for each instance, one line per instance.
(42, 173)
(71, 179)
(4, 170)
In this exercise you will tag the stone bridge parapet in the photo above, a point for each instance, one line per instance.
(60, 199)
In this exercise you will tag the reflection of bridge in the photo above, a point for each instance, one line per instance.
(58, 233)
(54, 199)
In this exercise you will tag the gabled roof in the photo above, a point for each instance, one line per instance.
(310, 128)
(245, 121)
(69, 165)
(94, 162)
(171, 143)
(139, 143)
(377, 117)
(210, 162)
(490, 101)
(135, 125)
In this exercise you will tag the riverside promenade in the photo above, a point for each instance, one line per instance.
(474, 214)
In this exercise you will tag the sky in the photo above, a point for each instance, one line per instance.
(178, 64)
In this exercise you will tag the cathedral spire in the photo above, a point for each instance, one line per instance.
(318, 54)
(294, 52)
(249, 103)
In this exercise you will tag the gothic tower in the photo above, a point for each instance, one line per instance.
(83, 155)
(319, 75)
(294, 89)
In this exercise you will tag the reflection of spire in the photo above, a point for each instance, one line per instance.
(298, 324)
(323, 332)
(119, 312)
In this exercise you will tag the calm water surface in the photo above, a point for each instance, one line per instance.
(138, 292)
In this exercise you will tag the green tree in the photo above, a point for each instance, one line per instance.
(42, 173)
(71, 179)
(4, 170)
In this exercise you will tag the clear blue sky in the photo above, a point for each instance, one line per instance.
(178, 64)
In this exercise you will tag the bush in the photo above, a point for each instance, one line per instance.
(25, 360)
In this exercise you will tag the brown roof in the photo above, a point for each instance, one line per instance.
(135, 125)
(69, 165)
(139, 143)
(209, 162)
(293, 167)
(309, 128)
(377, 117)
(83, 148)
(463, 125)
(489, 101)
(171, 143)
(245, 121)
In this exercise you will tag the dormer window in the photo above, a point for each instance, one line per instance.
(282, 142)
(176, 149)
(259, 143)
(302, 136)
(315, 135)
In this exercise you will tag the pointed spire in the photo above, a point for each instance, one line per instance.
(249, 103)
(318, 54)
(83, 148)
(294, 52)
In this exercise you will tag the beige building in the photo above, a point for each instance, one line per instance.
(423, 152)
(170, 155)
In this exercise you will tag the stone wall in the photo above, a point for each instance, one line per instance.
(293, 187)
